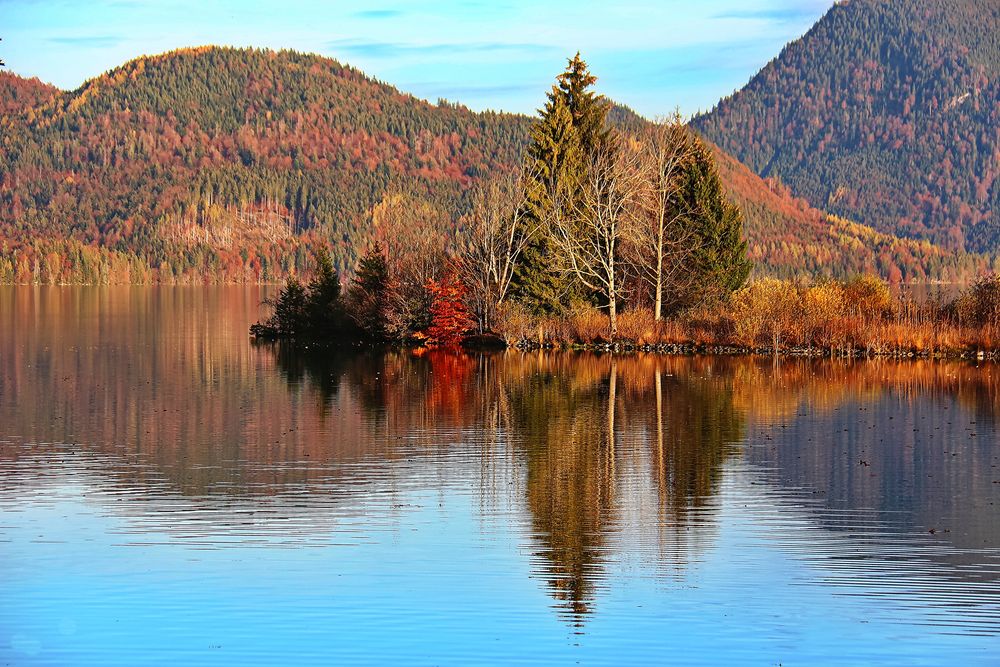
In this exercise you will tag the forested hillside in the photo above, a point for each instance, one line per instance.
(228, 164)
(17, 94)
(217, 162)
(886, 112)
(788, 238)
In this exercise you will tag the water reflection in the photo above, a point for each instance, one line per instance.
(576, 425)
(890, 463)
(600, 465)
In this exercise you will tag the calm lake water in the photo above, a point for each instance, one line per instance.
(172, 495)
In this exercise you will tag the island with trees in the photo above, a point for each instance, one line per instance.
(607, 236)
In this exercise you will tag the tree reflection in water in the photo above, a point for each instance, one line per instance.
(580, 424)
(594, 460)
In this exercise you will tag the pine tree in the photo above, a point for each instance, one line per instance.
(324, 308)
(554, 171)
(568, 133)
(307, 312)
(588, 109)
(290, 318)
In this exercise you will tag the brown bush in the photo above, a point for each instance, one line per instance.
(639, 326)
(980, 305)
(768, 312)
(868, 297)
(839, 316)
(824, 308)
(587, 325)
(514, 324)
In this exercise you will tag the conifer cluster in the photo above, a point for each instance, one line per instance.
(588, 186)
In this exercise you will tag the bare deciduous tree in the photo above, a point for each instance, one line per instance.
(659, 241)
(414, 234)
(589, 238)
(497, 231)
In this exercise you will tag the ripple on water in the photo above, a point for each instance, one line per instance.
(170, 494)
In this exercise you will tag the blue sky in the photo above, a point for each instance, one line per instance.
(653, 56)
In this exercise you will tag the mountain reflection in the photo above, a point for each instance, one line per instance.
(599, 461)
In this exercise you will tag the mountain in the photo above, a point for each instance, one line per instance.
(219, 162)
(788, 238)
(18, 95)
(229, 164)
(886, 112)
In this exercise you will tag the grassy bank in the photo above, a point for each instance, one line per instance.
(857, 318)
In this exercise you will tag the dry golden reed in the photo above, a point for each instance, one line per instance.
(859, 316)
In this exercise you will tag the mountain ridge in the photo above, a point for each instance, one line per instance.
(216, 163)
(887, 113)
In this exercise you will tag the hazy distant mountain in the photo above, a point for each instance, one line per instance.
(225, 164)
(886, 112)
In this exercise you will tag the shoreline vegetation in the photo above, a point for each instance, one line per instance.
(860, 318)
(610, 239)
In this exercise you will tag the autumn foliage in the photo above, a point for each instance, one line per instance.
(236, 165)
(450, 317)
(885, 113)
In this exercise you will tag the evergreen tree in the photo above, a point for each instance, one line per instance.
(718, 262)
(588, 109)
(570, 130)
(324, 308)
(290, 318)
(307, 312)
(370, 294)
(554, 170)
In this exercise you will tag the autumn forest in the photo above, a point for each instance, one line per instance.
(229, 165)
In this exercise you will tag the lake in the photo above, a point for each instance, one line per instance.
(171, 494)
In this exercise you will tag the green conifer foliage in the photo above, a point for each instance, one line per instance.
(719, 261)
(569, 131)
(589, 110)
(312, 311)
(290, 317)
(554, 169)
(370, 294)
(325, 310)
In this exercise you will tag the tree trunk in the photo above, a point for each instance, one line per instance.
(613, 317)
(612, 404)
(658, 307)
(659, 419)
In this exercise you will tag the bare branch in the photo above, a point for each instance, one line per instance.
(589, 238)
(498, 229)
(660, 241)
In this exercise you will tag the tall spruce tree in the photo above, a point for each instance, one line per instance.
(570, 130)
(718, 263)
(370, 294)
(589, 110)
(323, 303)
